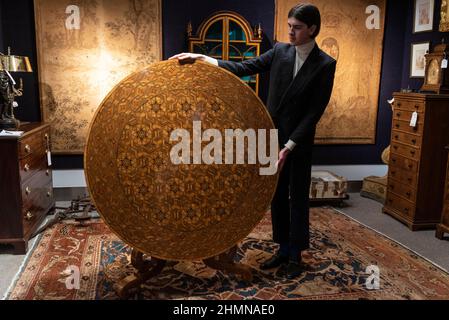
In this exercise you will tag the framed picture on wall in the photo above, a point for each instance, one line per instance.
(423, 17)
(418, 59)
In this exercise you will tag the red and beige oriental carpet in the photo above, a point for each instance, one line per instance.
(334, 268)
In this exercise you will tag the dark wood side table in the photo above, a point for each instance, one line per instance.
(26, 187)
(444, 225)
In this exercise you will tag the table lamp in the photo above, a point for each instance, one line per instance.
(8, 91)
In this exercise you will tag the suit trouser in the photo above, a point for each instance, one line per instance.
(290, 205)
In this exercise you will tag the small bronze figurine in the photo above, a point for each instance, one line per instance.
(7, 94)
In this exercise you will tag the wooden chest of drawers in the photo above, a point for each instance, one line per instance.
(444, 225)
(417, 160)
(26, 188)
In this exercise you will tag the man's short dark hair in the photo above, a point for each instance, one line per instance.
(307, 13)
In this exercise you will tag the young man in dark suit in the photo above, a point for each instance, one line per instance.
(301, 82)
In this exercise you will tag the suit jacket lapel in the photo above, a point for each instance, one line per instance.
(303, 76)
(290, 65)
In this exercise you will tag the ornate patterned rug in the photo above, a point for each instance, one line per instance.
(335, 267)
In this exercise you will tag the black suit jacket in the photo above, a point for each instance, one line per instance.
(296, 105)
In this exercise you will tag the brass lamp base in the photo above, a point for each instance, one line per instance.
(9, 123)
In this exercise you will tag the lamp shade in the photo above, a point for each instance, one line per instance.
(15, 64)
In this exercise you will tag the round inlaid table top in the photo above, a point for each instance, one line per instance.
(195, 209)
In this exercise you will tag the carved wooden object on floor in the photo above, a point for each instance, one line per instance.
(151, 267)
(146, 269)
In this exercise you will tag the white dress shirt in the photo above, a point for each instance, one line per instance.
(302, 53)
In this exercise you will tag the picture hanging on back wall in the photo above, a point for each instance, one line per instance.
(418, 59)
(423, 16)
(85, 47)
(351, 32)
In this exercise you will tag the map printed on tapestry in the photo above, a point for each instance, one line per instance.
(351, 116)
(86, 47)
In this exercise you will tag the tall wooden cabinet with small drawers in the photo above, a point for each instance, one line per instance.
(417, 159)
(26, 188)
(443, 227)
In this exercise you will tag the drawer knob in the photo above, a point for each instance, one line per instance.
(395, 147)
(398, 114)
(408, 194)
(27, 148)
(396, 137)
(413, 152)
(416, 106)
(414, 141)
(47, 172)
(391, 186)
(398, 125)
(406, 209)
(410, 179)
(394, 160)
(399, 104)
(29, 216)
(26, 167)
(27, 190)
(393, 172)
(410, 166)
(49, 194)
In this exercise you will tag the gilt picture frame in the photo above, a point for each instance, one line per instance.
(444, 13)
(423, 16)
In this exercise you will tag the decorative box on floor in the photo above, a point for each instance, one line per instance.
(328, 187)
(376, 187)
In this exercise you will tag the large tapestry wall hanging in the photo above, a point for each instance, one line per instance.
(85, 47)
(356, 44)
